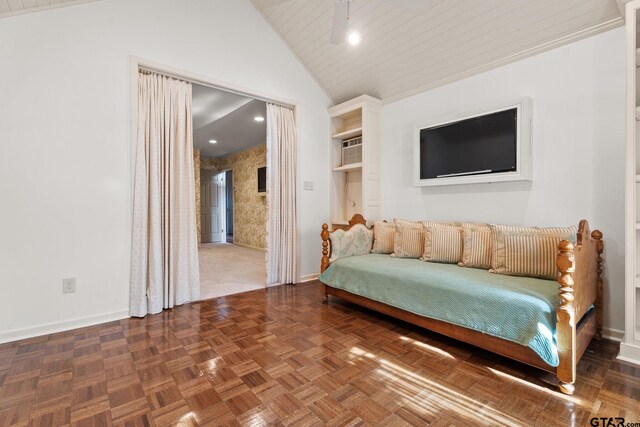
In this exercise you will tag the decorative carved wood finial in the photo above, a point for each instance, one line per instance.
(357, 219)
(566, 323)
(597, 236)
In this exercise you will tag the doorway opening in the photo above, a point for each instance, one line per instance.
(272, 267)
(229, 142)
(213, 223)
(216, 206)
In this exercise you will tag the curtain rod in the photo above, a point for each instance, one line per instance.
(150, 70)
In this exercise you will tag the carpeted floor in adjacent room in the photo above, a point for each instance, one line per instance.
(227, 269)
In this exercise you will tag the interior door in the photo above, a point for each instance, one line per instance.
(229, 202)
(212, 210)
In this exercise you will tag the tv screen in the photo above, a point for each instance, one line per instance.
(262, 179)
(479, 145)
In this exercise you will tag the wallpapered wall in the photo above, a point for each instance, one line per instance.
(249, 209)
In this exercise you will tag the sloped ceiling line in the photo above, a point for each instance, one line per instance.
(403, 51)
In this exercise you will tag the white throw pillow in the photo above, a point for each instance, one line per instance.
(358, 240)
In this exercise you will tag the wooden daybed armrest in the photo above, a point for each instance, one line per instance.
(580, 280)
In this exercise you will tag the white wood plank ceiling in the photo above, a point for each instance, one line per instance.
(404, 52)
(16, 7)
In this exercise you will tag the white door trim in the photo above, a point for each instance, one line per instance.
(210, 208)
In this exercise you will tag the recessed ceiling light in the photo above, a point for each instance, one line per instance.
(213, 141)
(354, 38)
(258, 119)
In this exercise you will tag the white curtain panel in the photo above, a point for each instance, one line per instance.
(164, 247)
(281, 195)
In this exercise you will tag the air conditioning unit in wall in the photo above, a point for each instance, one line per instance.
(352, 151)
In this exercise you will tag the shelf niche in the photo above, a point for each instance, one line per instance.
(355, 187)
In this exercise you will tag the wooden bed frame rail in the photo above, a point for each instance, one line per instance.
(579, 314)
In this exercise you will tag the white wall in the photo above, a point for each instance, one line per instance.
(65, 149)
(578, 150)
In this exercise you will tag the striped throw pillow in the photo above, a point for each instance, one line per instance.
(442, 243)
(408, 241)
(383, 234)
(521, 251)
(476, 247)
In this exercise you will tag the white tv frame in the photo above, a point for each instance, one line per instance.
(523, 170)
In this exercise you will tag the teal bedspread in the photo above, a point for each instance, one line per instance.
(518, 309)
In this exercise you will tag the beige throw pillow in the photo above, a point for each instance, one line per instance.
(521, 251)
(408, 241)
(442, 243)
(476, 246)
(383, 234)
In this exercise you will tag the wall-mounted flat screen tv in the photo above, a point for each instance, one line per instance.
(479, 148)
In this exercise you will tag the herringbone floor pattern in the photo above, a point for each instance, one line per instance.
(280, 357)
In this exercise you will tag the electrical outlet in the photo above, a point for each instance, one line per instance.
(69, 285)
(308, 185)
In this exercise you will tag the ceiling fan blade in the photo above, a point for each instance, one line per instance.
(340, 21)
(270, 3)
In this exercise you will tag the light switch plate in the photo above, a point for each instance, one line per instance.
(308, 185)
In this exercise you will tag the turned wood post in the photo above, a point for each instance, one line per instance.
(597, 236)
(324, 264)
(566, 318)
(325, 248)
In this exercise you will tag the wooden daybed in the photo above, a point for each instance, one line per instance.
(578, 316)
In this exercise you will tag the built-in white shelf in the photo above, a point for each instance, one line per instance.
(348, 168)
(348, 133)
(355, 187)
(630, 345)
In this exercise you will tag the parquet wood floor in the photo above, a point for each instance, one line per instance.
(280, 357)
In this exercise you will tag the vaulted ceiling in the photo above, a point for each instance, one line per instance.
(404, 51)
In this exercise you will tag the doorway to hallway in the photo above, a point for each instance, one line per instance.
(229, 137)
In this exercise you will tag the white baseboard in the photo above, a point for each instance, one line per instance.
(308, 277)
(629, 353)
(612, 334)
(65, 325)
